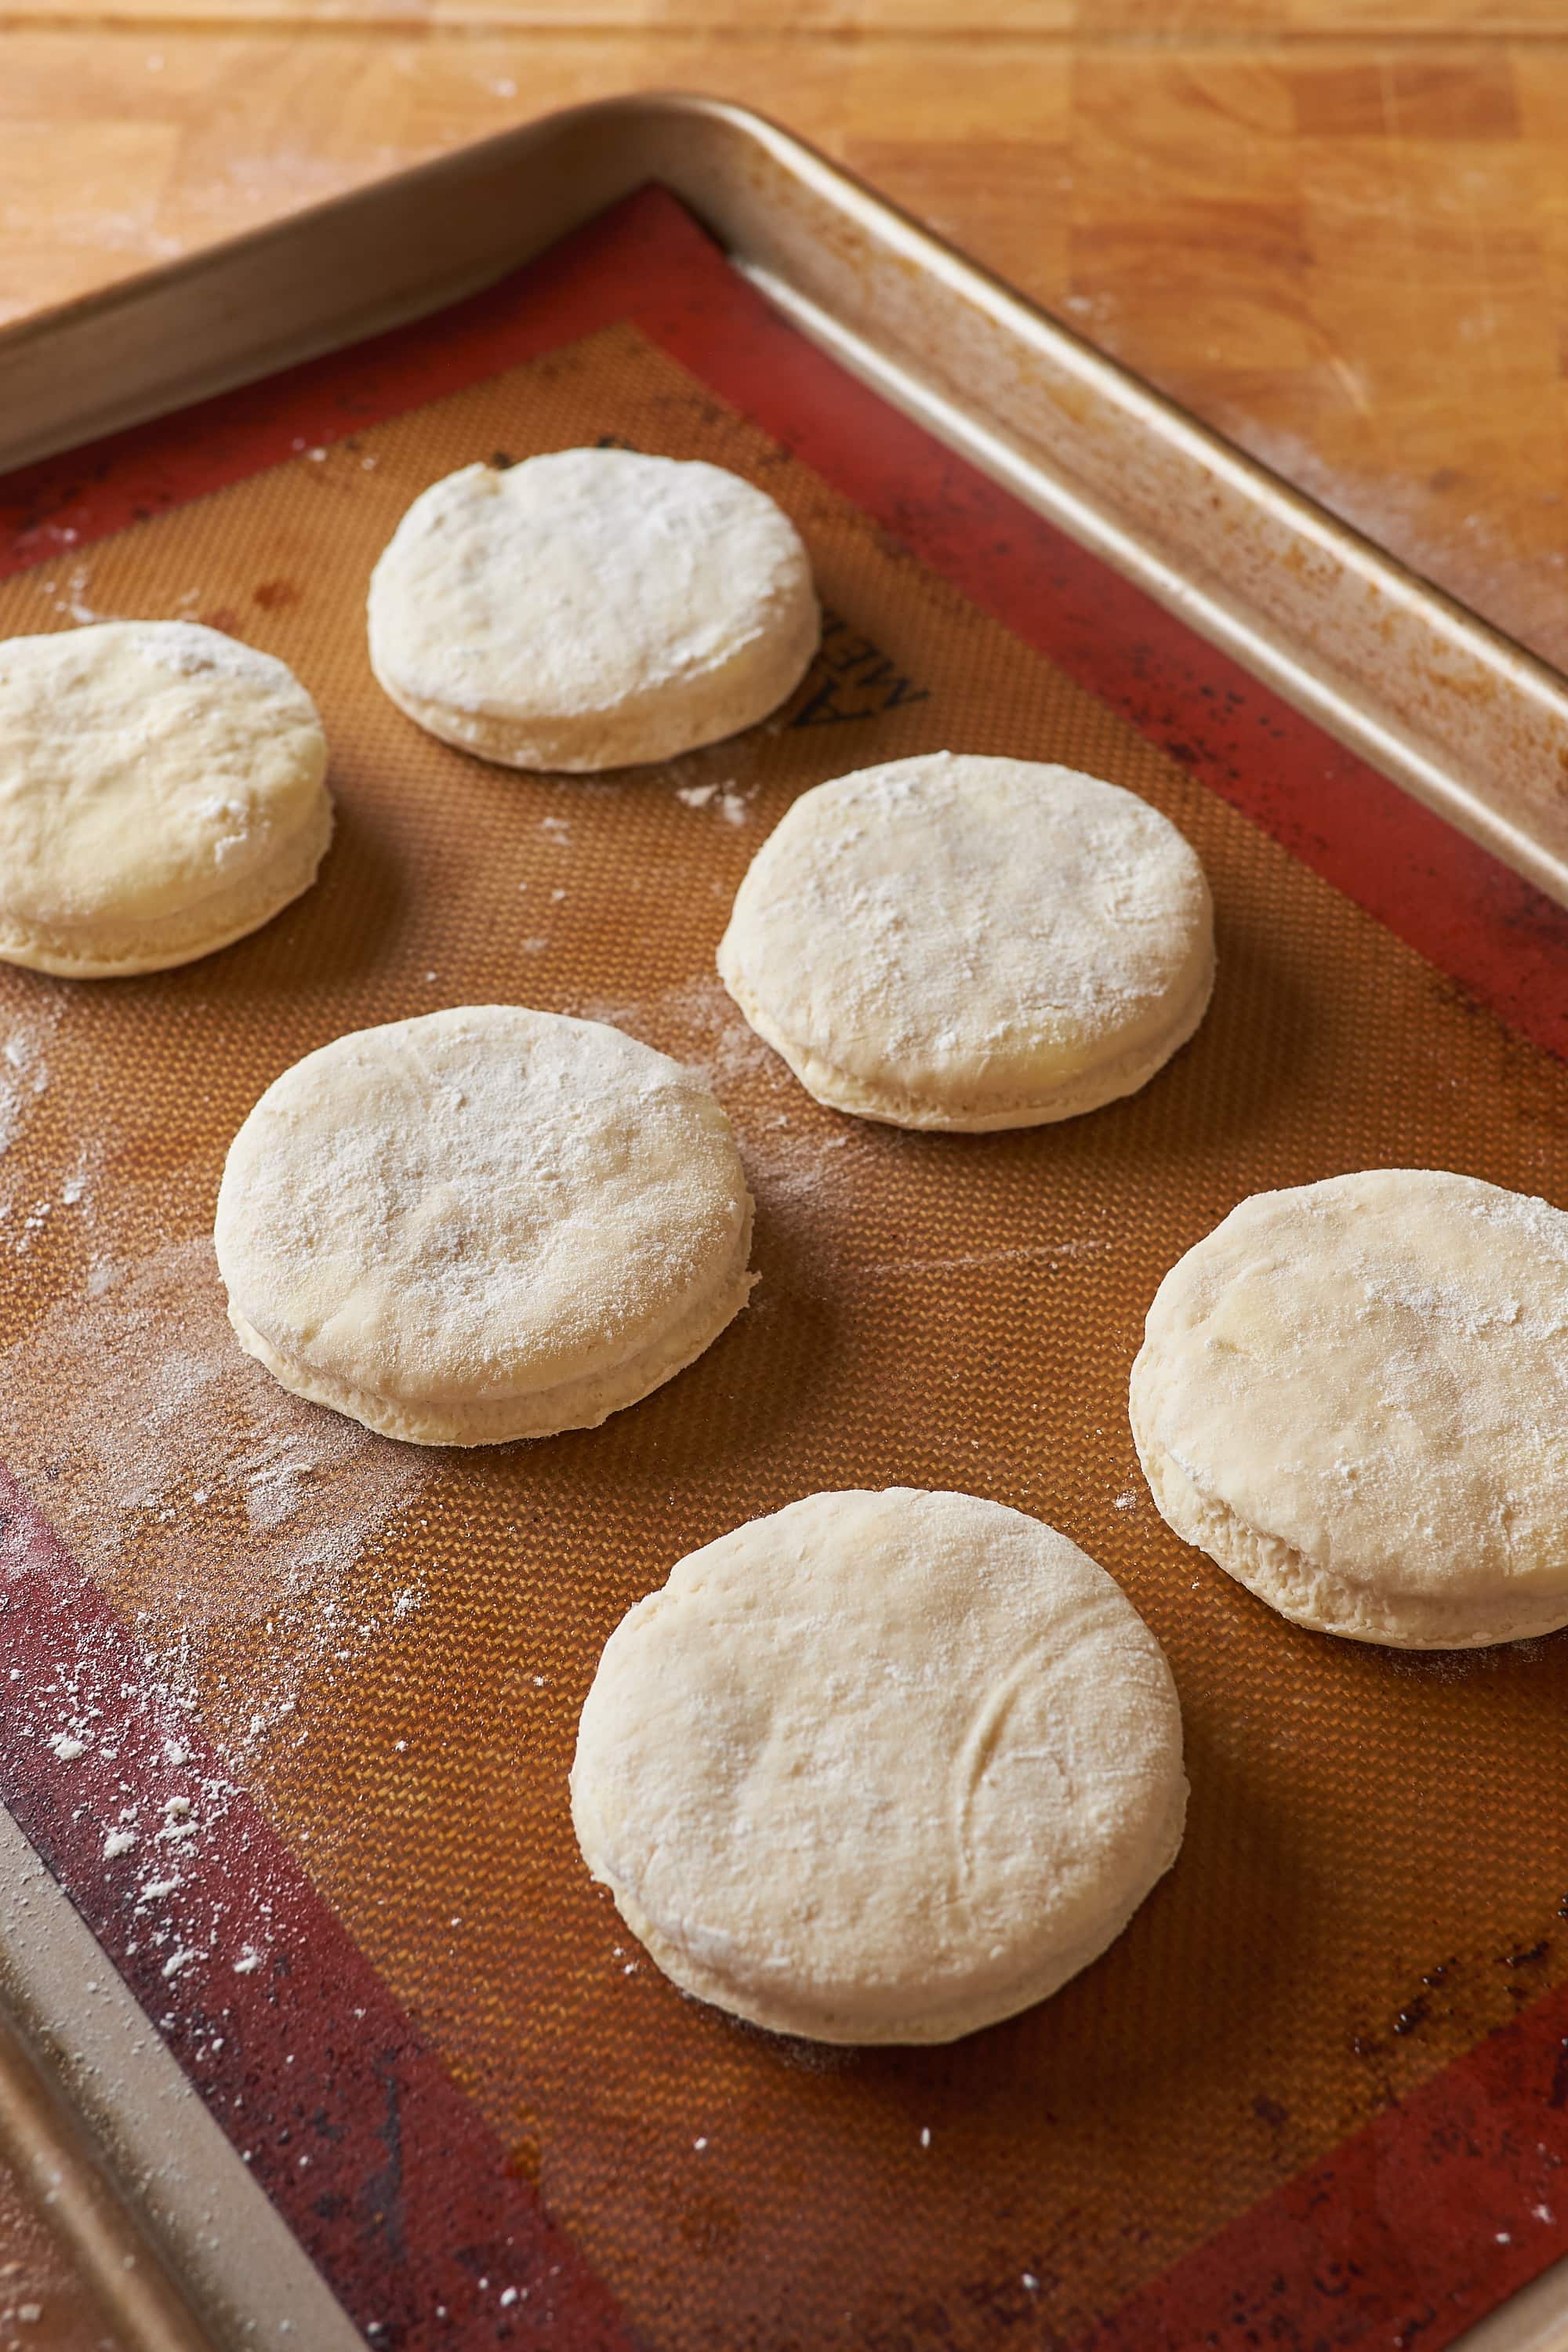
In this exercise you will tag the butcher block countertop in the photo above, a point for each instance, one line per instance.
(1337, 229)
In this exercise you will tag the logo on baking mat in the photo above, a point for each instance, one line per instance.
(852, 678)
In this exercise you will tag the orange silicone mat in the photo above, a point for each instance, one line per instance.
(386, 1647)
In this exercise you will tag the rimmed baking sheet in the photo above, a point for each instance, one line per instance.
(1315, 2087)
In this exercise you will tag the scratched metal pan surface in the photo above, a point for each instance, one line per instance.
(290, 1707)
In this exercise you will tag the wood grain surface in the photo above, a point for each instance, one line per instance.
(1339, 232)
(1338, 229)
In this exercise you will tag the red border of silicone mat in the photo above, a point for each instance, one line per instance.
(1412, 2230)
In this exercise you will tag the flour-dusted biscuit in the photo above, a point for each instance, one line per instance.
(971, 943)
(882, 1767)
(483, 1225)
(1353, 1396)
(161, 793)
(590, 609)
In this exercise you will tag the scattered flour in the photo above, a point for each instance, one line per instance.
(24, 1049)
(788, 1144)
(186, 649)
(732, 803)
(72, 599)
(151, 1406)
(24, 1069)
(150, 1403)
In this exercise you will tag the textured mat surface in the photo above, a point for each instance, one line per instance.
(387, 1648)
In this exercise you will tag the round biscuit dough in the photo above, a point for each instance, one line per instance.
(1353, 1396)
(483, 1225)
(161, 793)
(971, 944)
(595, 608)
(882, 1767)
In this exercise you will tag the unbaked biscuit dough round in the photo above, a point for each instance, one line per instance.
(483, 1225)
(882, 1767)
(971, 944)
(1353, 1396)
(595, 608)
(160, 794)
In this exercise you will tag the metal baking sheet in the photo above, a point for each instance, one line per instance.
(391, 1958)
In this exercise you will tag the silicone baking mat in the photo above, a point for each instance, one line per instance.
(290, 1707)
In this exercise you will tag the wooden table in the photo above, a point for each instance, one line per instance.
(1338, 229)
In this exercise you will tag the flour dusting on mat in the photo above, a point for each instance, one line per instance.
(790, 1147)
(24, 1069)
(234, 1526)
(198, 1492)
(25, 1048)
